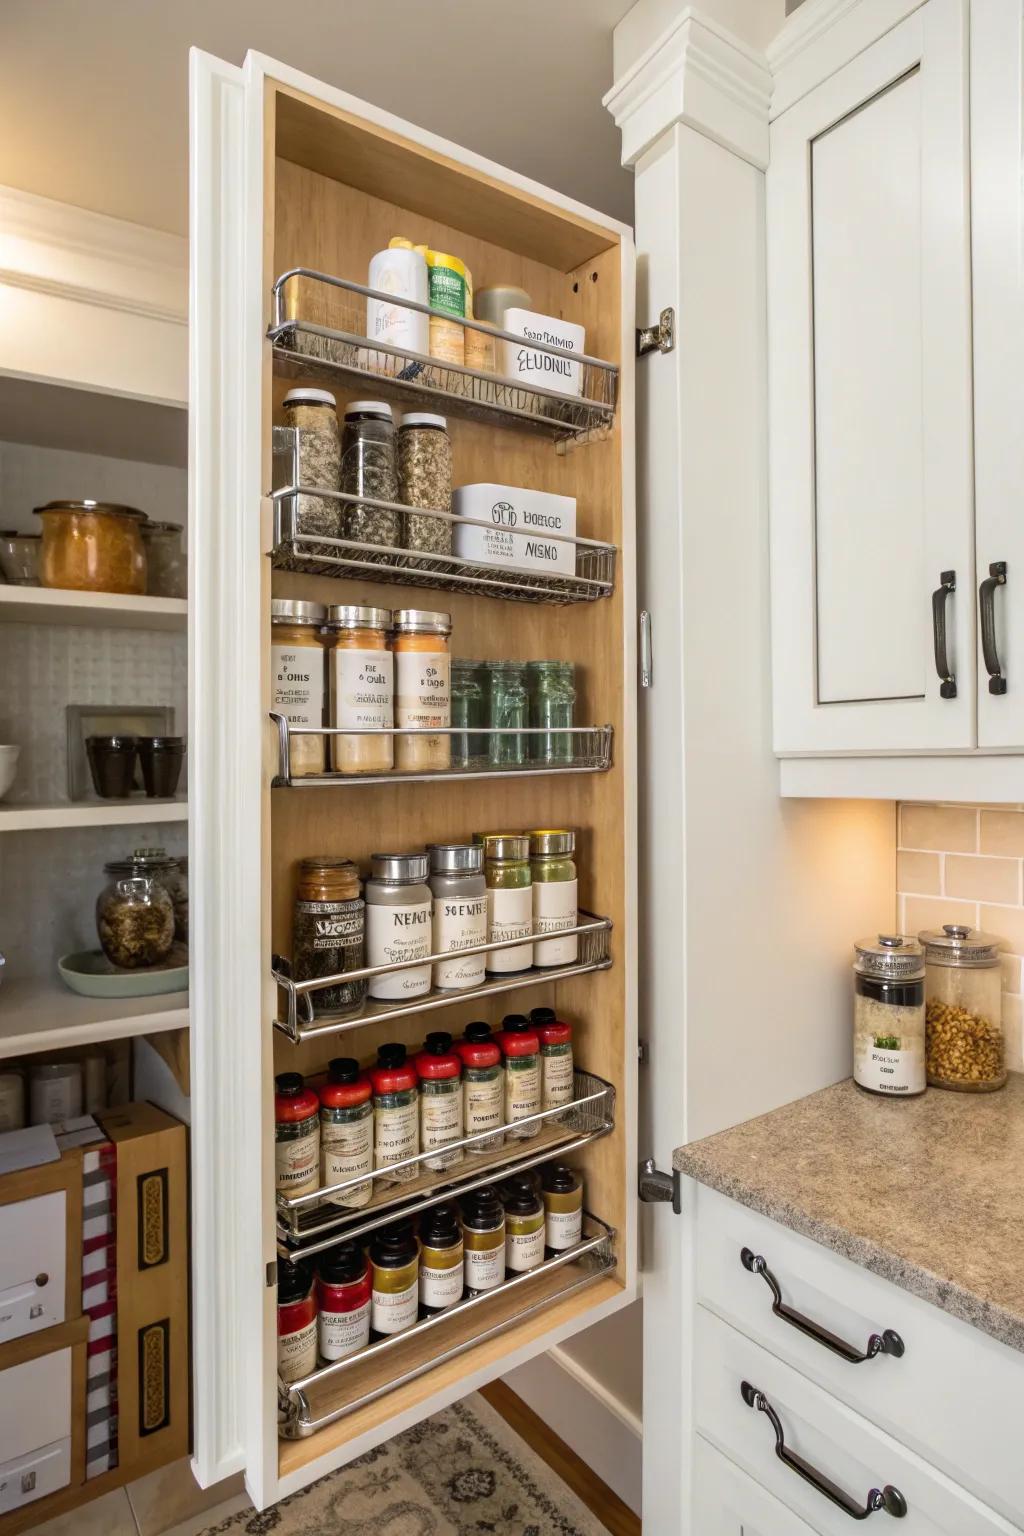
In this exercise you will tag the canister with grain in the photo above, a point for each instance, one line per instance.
(963, 986)
(888, 1015)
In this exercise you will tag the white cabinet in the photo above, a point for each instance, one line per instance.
(726, 1502)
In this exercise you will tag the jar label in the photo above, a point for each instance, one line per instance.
(442, 1286)
(343, 1333)
(396, 1136)
(459, 924)
(331, 924)
(296, 1352)
(556, 1069)
(346, 1149)
(297, 1163)
(509, 916)
(522, 1087)
(440, 1119)
(485, 1267)
(564, 1229)
(298, 683)
(423, 688)
(524, 1250)
(483, 1102)
(554, 908)
(363, 689)
(395, 1310)
(886, 1064)
(393, 934)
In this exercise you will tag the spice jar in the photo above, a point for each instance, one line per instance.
(166, 565)
(507, 710)
(460, 913)
(55, 1092)
(483, 1087)
(362, 688)
(425, 480)
(327, 933)
(562, 1190)
(469, 710)
(422, 688)
(888, 1015)
(556, 1063)
(296, 1320)
(521, 1049)
(296, 1135)
(346, 1132)
(395, 1300)
(134, 917)
(553, 873)
(524, 1225)
(398, 923)
(552, 689)
(441, 1259)
(509, 900)
(12, 1100)
(439, 1070)
(92, 546)
(483, 1240)
(343, 1296)
(297, 676)
(369, 468)
(396, 1122)
(964, 1025)
(313, 416)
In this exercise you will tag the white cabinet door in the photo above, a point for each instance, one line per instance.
(870, 400)
(997, 218)
(726, 1502)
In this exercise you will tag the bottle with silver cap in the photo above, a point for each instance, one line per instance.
(362, 687)
(369, 467)
(297, 676)
(313, 415)
(963, 983)
(888, 1015)
(460, 912)
(398, 923)
(423, 689)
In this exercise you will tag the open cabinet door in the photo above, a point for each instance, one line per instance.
(289, 174)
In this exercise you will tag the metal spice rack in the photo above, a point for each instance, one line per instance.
(310, 1222)
(555, 1280)
(305, 349)
(300, 1022)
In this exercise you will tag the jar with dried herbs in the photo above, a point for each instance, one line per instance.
(369, 468)
(327, 933)
(134, 917)
(173, 875)
(312, 414)
(425, 480)
(963, 987)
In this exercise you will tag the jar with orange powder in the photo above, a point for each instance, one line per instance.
(422, 688)
(362, 687)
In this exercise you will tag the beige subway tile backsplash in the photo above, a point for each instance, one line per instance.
(920, 873)
(932, 911)
(951, 828)
(1002, 832)
(983, 879)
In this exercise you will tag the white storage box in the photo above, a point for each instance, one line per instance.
(32, 1264)
(529, 366)
(35, 1429)
(521, 523)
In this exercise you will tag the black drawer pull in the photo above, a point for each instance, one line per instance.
(885, 1343)
(946, 587)
(888, 1498)
(987, 606)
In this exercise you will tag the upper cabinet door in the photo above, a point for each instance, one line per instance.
(870, 401)
(997, 216)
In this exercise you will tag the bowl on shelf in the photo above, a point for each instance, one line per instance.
(91, 974)
(19, 557)
(8, 767)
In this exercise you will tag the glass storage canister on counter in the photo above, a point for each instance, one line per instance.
(369, 467)
(441, 1259)
(422, 688)
(296, 1320)
(296, 1135)
(469, 712)
(509, 900)
(297, 676)
(92, 546)
(508, 709)
(556, 1059)
(520, 1046)
(395, 1300)
(166, 563)
(425, 480)
(344, 1289)
(460, 913)
(313, 415)
(396, 1113)
(327, 933)
(399, 909)
(964, 1017)
(483, 1086)
(362, 687)
(553, 872)
(888, 1015)
(439, 1070)
(346, 1132)
(134, 916)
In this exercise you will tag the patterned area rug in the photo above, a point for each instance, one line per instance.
(462, 1473)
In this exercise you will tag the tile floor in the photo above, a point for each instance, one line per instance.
(166, 1503)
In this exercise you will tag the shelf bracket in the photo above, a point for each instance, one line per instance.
(655, 1187)
(657, 338)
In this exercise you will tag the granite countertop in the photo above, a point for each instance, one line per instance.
(925, 1192)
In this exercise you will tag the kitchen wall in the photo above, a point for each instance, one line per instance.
(965, 864)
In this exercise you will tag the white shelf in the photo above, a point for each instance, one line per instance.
(93, 610)
(44, 1016)
(102, 813)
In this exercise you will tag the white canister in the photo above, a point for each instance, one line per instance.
(55, 1092)
(402, 271)
(12, 1101)
(398, 923)
(536, 369)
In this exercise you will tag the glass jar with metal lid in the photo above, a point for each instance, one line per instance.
(422, 688)
(469, 711)
(509, 899)
(92, 546)
(369, 467)
(963, 985)
(553, 871)
(135, 914)
(460, 913)
(398, 923)
(552, 689)
(362, 687)
(508, 709)
(425, 480)
(312, 414)
(888, 1015)
(165, 559)
(297, 677)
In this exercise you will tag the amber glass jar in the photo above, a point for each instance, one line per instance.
(362, 687)
(327, 932)
(92, 546)
(422, 688)
(297, 676)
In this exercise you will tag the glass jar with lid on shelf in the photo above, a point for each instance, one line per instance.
(422, 688)
(507, 711)
(312, 415)
(552, 691)
(362, 687)
(963, 987)
(888, 1015)
(369, 467)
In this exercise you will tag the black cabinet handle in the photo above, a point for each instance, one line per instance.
(888, 1498)
(886, 1343)
(947, 682)
(987, 604)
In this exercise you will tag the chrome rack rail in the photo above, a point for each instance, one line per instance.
(593, 955)
(592, 1258)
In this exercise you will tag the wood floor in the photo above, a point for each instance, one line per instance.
(584, 1482)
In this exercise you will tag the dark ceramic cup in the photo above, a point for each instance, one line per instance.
(161, 758)
(112, 765)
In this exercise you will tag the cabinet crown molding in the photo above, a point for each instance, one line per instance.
(821, 36)
(698, 74)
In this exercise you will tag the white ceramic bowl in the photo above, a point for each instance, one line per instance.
(8, 768)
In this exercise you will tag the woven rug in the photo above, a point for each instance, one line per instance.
(462, 1473)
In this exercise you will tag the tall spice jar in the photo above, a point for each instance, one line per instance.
(556, 1060)
(483, 1087)
(553, 873)
(439, 1070)
(441, 1259)
(343, 1297)
(422, 688)
(469, 711)
(524, 1225)
(552, 689)
(296, 1135)
(327, 933)
(483, 1239)
(369, 467)
(425, 480)
(346, 1132)
(460, 913)
(396, 1116)
(312, 414)
(964, 1019)
(562, 1189)
(520, 1047)
(399, 909)
(507, 712)
(509, 900)
(296, 1320)
(297, 673)
(395, 1299)
(362, 687)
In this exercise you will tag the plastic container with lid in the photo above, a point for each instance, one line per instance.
(343, 1296)
(483, 1239)
(396, 1118)
(369, 467)
(296, 1320)
(509, 900)
(346, 1131)
(483, 1087)
(296, 1135)
(964, 1019)
(439, 1069)
(92, 546)
(556, 1059)
(327, 933)
(134, 915)
(425, 480)
(313, 415)
(552, 689)
(297, 676)
(399, 910)
(362, 687)
(441, 1259)
(422, 688)
(520, 1047)
(460, 913)
(555, 887)
(400, 272)
(524, 1225)
(395, 1301)
(888, 1015)
(562, 1192)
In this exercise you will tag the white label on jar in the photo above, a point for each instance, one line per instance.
(483, 1107)
(298, 683)
(296, 1352)
(423, 688)
(564, 1228)
(440, 1118)
(394, 934)
(459, 922)
(509, 916)
(524, 1250)
(441, 1287)
(396, 1136)
(395, 1310)
(343, 1333)
(363, 689)
(522, 1088)
(485, 1267)
(297, 1162)
(888, 1071)
(554, 908)
(346, 1149)
(557, 1086)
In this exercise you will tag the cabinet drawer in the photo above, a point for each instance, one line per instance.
(951, 1395)
(834, 1441)
(726, 1502)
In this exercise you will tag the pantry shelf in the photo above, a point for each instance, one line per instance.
(50, 815)
(301, 1023)
(92, 610)
(41, 1015)
(336, 1390)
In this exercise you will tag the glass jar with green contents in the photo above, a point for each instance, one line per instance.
(552, 689)
(469, 711)
(509, 899)
(553, 873)
(508, 709)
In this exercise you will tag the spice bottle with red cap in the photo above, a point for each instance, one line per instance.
(395, 1300)
(346, 1131)
(396, 1121)
(439, 1069)
(556, 1063)
(343, 1293)
(441, 1259)
(296, 1320)
(483, 1087)
(296, 1135)
(521, 1049)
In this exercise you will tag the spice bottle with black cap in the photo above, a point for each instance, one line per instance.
(343, 1293)
(439, 1069)
(395, 1300)
(483, 1087)
(346, 1131)
(296, 1320)
(524, 1225)
(562, 1189)
(396, 1122)
(441, 1259)
(483, 1239)
(521, 1049)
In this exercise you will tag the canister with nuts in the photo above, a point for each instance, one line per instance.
(963, 990)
